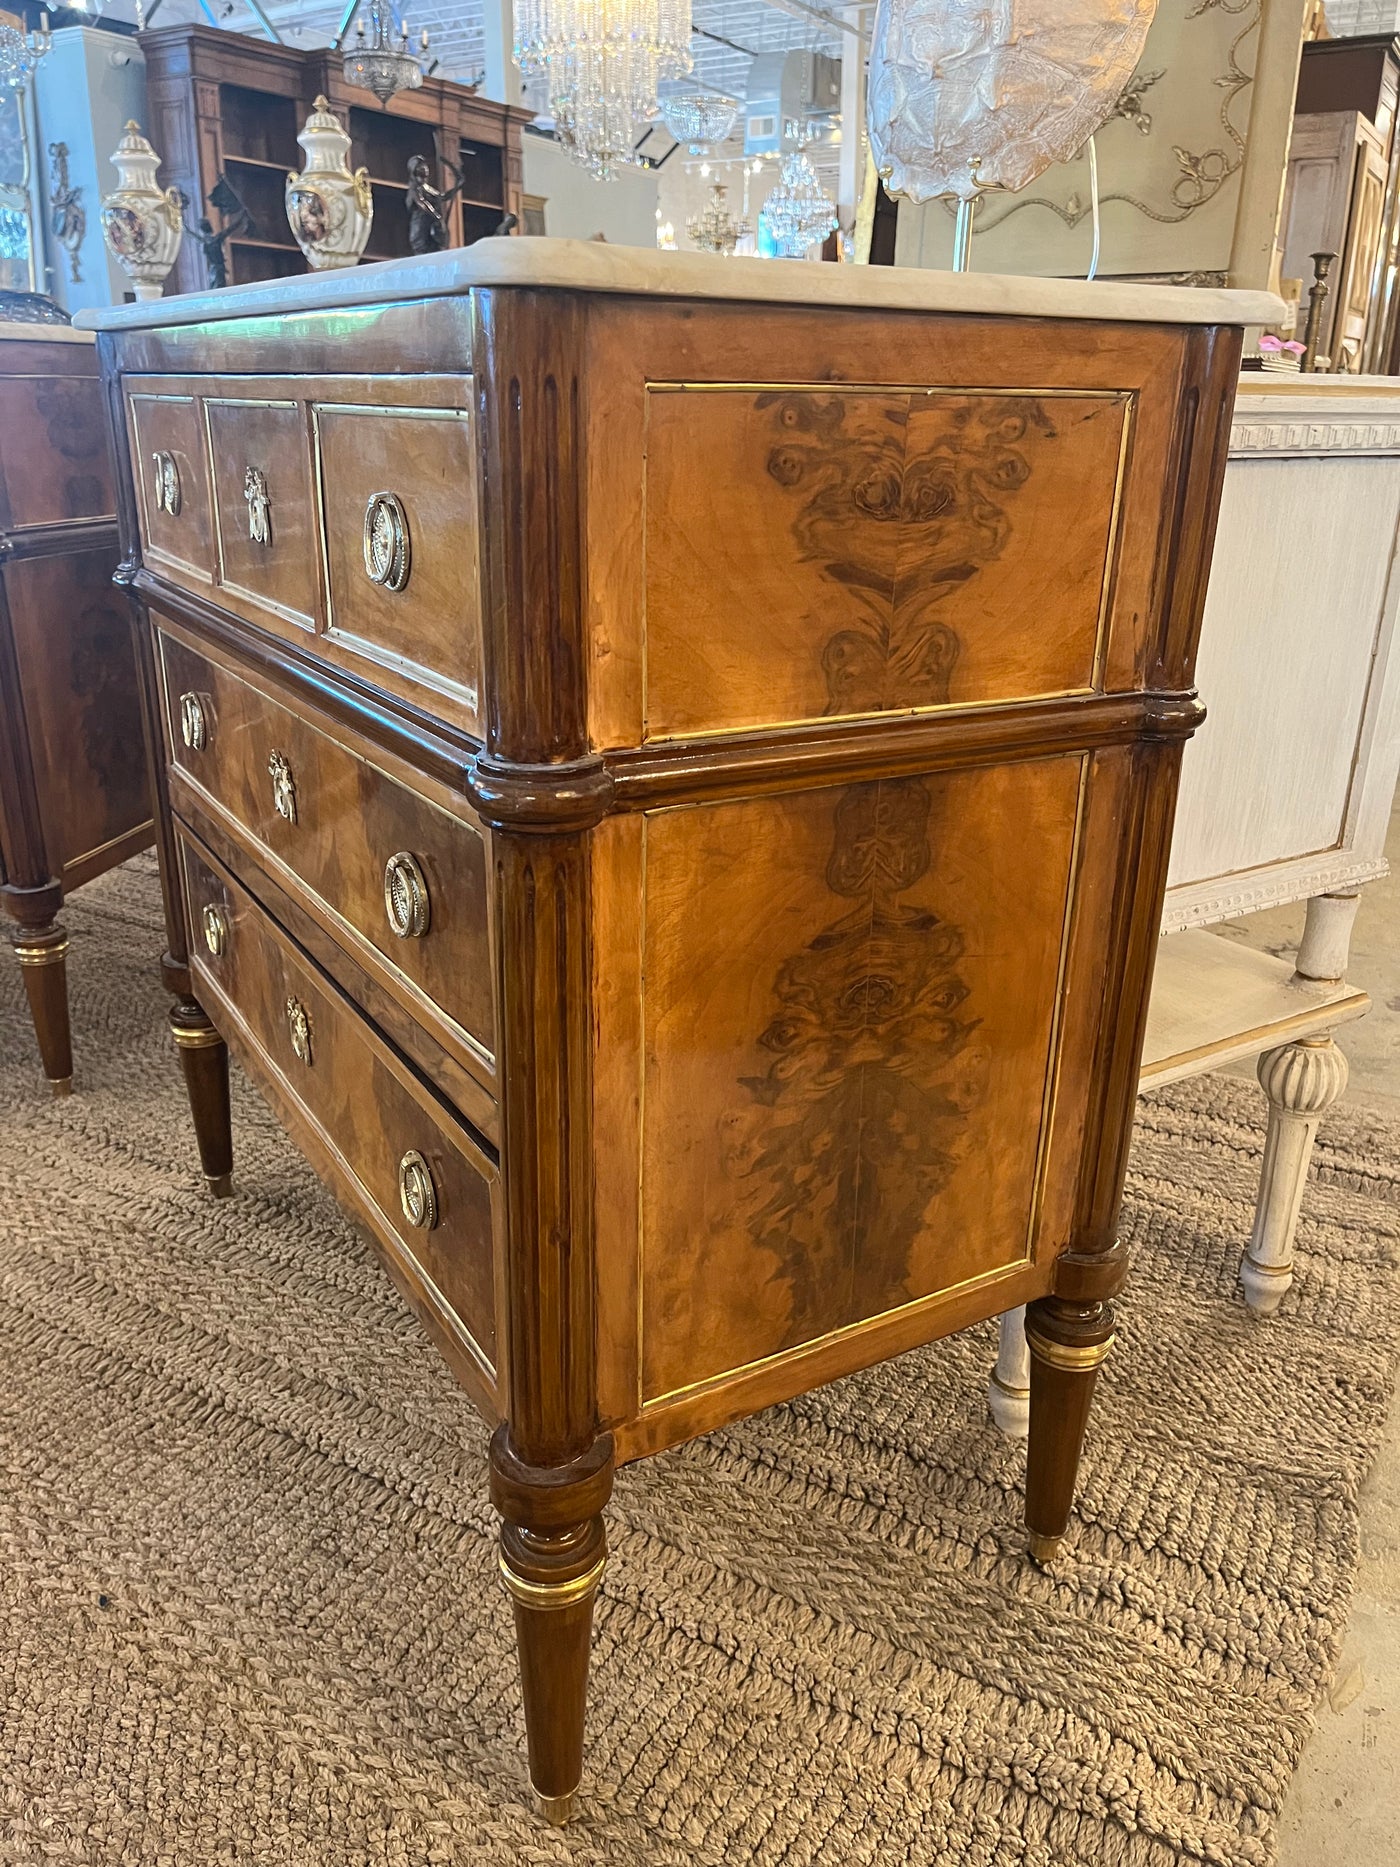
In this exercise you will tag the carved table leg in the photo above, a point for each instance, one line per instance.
(204, 1060)
(43, 955)
(1301, 1080)
(1009, 1389)
(553, 1550)
(1068, 1343)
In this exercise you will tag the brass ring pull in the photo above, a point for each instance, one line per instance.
(215, 924)
(417, 1194)
(406, 899)
(194, 721)
(299, 1025)
(388, 552)
(165, 483)
(284, 787)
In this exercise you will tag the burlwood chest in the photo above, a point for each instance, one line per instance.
(666, 771)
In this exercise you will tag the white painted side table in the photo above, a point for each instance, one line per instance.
(1287, 789)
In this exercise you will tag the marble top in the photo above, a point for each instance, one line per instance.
(43, 333)
(591, 266)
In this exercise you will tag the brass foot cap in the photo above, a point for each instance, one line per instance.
(556, 1809)
(220, 1184)
(1044, 1549)
(61, 1086)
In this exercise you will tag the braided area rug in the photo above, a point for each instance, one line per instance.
(248, 1608)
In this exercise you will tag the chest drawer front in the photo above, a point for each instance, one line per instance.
(394, 877)
(167, 445)
(399, 513)
(424, 1187)
(265, 531)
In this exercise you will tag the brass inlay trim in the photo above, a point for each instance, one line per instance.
(1005, 1387)
(42, 955)
(550, 1595)
(1073, 1360)
(195, 1036)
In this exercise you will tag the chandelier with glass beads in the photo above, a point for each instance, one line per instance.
(715, 229)
(799, 211)
(699, 118)
(20, 52)
(604, 62)
(376, 63)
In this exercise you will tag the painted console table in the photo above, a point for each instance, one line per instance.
(1286, 791)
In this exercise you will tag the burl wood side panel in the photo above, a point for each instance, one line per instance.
(849, 1004)
(904, 550)
(351, 817)
(62, 469)
(78, 676)
(357, 1099)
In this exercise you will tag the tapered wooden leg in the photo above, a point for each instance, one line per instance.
(204, 1060)
(1302, 1080)
(1009, 1388)
(553, 1550)
(1068, 1343)
(43, 955)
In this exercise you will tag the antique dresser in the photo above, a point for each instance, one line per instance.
(666, 770)
(73, 793)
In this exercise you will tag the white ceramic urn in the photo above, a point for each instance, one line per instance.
(142, 224)
(329, 209)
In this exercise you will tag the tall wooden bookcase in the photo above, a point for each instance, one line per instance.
(222, 103)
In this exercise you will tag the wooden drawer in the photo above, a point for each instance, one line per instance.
(264, 527)
(376, 1131)
(167, 445)
(399, 513)
(328, 817)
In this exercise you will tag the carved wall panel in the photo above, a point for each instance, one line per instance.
(894, 541)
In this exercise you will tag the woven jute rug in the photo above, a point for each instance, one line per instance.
(248, 1608)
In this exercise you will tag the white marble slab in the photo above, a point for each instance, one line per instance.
(590, 266)
(43, 333)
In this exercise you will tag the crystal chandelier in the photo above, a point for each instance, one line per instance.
(378, 65)
(715, 230)
(799, 212)
(20, 52)
(699, 118)
(604, 62)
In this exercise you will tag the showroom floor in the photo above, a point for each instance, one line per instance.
(1345, 1802)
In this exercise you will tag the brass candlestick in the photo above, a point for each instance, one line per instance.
(1317, 297)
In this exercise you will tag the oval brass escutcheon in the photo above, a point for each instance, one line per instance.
(284, 787)
(417, 1193)
(194, 722)
(406, 899)
(215, 924)
(165, 475)
(388, 553)
(299, 1025)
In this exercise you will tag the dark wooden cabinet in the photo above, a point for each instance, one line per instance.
(73, 792)
(684, 850)
(223, 103)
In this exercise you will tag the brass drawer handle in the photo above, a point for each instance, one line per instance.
(259, 506)
(194, 721)
(417, 1193)
(388, 553)
(215, 925)
(406, 899)
(284, 787)
(166, 483)
(299, 1025)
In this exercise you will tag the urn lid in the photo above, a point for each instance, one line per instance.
(324, 138)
